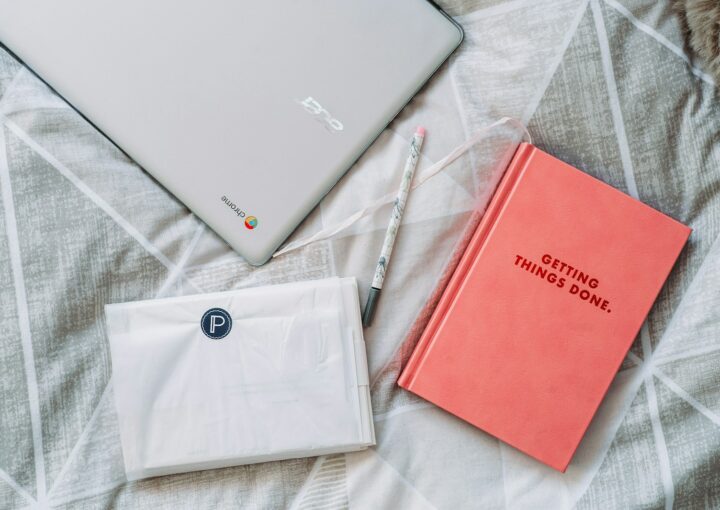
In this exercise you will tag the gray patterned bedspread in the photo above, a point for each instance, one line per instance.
(606, 85)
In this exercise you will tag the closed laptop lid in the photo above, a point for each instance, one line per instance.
(248, 113)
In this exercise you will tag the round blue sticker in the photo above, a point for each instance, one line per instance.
(216, 323)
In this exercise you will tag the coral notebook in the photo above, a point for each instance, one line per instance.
(543, 306)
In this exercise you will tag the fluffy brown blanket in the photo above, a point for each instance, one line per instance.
(702, 20)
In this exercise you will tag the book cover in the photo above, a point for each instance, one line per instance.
(543, 306)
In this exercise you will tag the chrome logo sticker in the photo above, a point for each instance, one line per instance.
(251, 222)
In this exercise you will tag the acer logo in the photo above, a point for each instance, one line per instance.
(321, 114)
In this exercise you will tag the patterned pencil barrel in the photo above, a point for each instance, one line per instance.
(398, 208)
(392, 230)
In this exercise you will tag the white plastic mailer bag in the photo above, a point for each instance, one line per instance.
(239, 377)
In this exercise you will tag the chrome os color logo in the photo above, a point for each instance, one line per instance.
(251, 222)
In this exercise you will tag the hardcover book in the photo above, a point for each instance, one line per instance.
(543, 306)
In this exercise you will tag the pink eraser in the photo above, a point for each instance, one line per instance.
(420, 131)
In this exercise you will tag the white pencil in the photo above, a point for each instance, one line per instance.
(394, 226)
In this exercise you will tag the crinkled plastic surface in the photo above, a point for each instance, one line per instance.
(288, 380)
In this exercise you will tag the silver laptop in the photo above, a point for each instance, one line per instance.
(248, 112)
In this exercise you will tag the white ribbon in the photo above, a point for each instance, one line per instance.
(435, 169)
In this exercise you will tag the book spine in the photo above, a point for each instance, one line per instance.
(477, 241)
